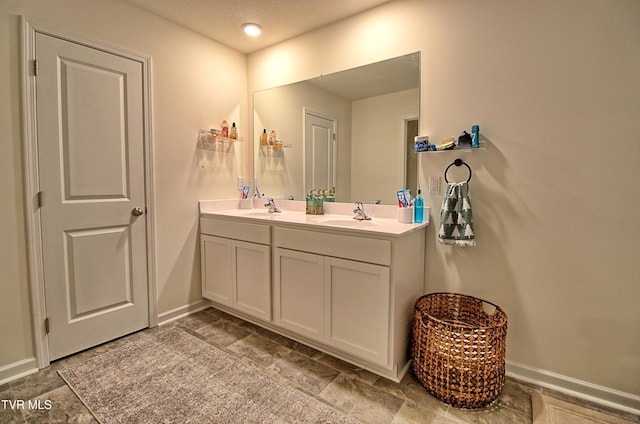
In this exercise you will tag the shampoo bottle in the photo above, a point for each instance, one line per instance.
(233, 133)
(418, 208)
(263, 137)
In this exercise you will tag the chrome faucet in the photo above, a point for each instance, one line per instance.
(271, 205)
(359, 212)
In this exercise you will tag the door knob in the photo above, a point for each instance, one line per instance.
(137, 211)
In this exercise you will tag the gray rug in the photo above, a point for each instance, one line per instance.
(174, 377)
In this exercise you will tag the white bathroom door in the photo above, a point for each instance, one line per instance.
(320, 152)
(90, 126)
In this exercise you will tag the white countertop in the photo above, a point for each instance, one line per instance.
(338, 216)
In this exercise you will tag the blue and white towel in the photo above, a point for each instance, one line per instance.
(456, 217)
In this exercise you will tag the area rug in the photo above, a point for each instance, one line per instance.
(548, 410)
(174, 377)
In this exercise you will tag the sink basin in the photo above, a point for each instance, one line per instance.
(343, 222)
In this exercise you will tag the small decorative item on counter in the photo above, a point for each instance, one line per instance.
(224, 127)
(475, 136)
(263, 137)
(315, 203)
(233, 133)
(421, 143)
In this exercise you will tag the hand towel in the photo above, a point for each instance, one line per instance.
(456, 217)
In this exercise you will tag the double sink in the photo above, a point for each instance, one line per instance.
(338, 215)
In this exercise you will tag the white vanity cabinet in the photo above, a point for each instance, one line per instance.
(349, 293)
(236, 266)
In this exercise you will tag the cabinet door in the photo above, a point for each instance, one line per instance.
(252, 279)
(357, 314)
(299, 292)
(215, 253)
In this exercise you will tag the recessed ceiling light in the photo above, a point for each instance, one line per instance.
(252, 29)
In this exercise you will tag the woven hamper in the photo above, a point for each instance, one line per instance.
(458, 348)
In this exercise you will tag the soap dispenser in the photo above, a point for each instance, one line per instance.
(418, 208)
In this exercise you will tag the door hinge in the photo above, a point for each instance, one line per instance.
(46, 325)
(35, 67)
(40, 198)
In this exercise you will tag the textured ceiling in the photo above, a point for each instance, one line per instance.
(221, 20)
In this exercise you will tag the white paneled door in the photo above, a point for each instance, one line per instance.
(90, 132)
(320, 152)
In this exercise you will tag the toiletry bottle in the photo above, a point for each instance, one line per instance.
(310, 203)
(330, 197)
(319, 203)
(233, 133)
(272, 138)
(263, 137)
(225, 129)
(475, 136)
(418, 208)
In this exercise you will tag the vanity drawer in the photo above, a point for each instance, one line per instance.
(254, 233)
(340, 246)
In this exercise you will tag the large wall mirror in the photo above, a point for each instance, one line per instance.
(351, 131)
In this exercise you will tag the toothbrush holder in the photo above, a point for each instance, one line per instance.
(405, 215)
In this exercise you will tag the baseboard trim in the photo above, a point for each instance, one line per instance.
(174, 314)
(16, 370)
(576, 388)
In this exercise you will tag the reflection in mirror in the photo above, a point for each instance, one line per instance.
(352, 131)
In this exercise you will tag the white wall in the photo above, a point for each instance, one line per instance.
(554, 87)
(196, 83)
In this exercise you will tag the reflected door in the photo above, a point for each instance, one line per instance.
(91, 175)
(319, 152)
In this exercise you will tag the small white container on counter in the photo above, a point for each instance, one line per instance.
(246, 203)
(405, 215)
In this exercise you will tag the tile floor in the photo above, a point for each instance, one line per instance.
(356, 392)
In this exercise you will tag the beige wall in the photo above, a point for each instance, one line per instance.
(554, 87)
(195, 84)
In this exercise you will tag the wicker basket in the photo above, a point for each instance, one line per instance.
(458, 348)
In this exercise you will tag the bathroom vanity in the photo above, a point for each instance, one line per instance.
(342, 286)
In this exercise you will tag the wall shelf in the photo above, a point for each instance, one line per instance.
(209, 141)
(482, 146)
(274, 150)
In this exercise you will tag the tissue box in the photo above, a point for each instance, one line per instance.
(421, 143)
